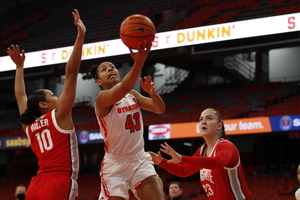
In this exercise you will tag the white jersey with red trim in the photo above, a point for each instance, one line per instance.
(122, 129)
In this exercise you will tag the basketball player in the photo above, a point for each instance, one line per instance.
(218, 160)
(117, 107)
(47, 121)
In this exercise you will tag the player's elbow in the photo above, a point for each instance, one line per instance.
(161, 111)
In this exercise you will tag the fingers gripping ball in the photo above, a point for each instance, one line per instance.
(137, 28)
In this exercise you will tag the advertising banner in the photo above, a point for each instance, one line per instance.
(165, 40)
(17, 142)
(285, 123)
(240, 126)
(89, 137)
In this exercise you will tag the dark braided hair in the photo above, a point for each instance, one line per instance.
(93, 72)
(33, 110)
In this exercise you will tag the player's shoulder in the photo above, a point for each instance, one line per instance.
(225, 142)
(134, 92)
(198, 151)
(104, 94)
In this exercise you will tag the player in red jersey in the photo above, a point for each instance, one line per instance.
(47, 121)
(126, 165)
(218, 160)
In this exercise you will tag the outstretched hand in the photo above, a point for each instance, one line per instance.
(78, 22)
(156, 158)
(176, 157)
(141, 55)
(147, 84)
(17, 56)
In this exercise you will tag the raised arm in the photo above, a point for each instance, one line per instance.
(67, 98)
(18, 57)
(108, 97)
(153, 104)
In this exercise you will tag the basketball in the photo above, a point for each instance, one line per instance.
(137, 28)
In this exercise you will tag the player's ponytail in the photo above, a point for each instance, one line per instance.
(93, 72)
(33, 110)
(223, 133)
(27, 117)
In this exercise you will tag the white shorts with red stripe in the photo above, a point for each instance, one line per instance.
(120, 173)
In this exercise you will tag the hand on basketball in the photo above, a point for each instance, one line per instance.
(143, 51)
(147, 84)
(156, 158)
(17, 57)
(78, 22)
(176, 157)
(135, 29)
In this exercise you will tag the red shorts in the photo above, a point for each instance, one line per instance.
(50, 186)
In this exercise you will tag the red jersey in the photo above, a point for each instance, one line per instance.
(55, 148)
(221, 172)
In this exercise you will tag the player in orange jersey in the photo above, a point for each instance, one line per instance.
(126, 165)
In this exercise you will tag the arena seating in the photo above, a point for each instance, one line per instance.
(9, 184)
(273, 99)
(43, 27)
(102, 20)
(26, 29)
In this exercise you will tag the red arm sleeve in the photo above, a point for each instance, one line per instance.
(180, 169)
(226, 156)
